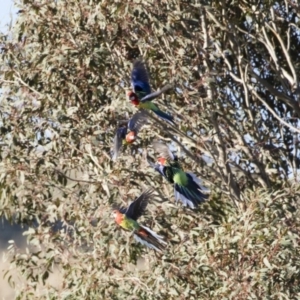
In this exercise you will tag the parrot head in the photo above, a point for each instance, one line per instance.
(162, 161)
(117, 216)
(130, 137)
(133, 98)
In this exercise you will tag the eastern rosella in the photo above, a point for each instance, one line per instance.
(141, 95)
(127, 219)
(126, 135)
(187, 187)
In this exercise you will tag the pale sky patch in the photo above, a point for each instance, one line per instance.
(7, 11)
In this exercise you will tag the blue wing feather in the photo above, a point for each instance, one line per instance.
(138, 206)
(137, 121)
(119, 137)
(164, 116)
(140, 79)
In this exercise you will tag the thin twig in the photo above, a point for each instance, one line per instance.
(287, 56)
(76, 180)
(271, 110)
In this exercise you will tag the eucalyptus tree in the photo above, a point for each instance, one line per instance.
(65, 69)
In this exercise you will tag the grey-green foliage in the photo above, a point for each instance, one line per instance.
(235, 65)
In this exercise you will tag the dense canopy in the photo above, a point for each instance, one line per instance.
(64, 71)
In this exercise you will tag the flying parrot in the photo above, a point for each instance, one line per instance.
(187, 187)
(127, 219)
(141, 95)
(126, 135)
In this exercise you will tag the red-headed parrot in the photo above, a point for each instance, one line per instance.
(141, 95)
(187, 187)
(127, 219)
(126, 135)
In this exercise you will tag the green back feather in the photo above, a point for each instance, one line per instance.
(180, 177)
(129, 224)
(148, 105)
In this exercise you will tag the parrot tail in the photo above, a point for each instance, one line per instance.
(190, 195)
(150, 239)
(164, 116)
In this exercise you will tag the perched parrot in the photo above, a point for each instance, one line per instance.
(187, 187)
(127, 218)
(141, 95)
(126, 135)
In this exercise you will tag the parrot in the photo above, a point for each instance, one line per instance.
(141, 95)
(187, 187)
(127, 219)
(125, 137)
